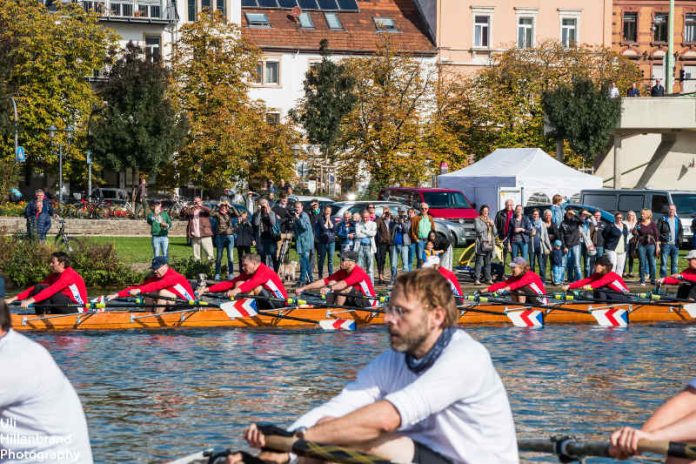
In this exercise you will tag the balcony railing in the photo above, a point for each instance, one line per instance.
(128, 10)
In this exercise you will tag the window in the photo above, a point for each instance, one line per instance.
(525, 32)
(121, 9)
(630, 27)
(569, 32)
(660, 205)
(267, 73)
(220, 5)
(192, 10)
(332, 21)
(660, 27)
(305, 20)
(273, 118)
(630, 203)
(385, 24)
(148, 11)
(205, 5)
(690, 28)
(482, 31)
(257, 20)
(153, 47)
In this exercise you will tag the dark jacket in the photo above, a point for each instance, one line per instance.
(343, 229)
(612, 235)
(325, 234)
(500, 220)
(663, 227)
(597, 234)
(224, 223)
(569, 232)
(554, 233)
(245, 234)
(517, 237)
(38, 224)
(284, 216)
(384, 234)
(265, 225)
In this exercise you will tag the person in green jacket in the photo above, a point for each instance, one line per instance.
(160, 223)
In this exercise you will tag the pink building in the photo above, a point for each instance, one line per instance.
(468, 32)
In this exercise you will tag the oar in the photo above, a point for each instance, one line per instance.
(380, 298)
(569, 449)
(281, 440)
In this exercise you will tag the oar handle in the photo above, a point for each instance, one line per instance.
(672, 449)
(568, 447)
(279, 443)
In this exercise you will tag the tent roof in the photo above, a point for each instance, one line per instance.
(519, 163)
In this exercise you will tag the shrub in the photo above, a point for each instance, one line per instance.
(193, 269)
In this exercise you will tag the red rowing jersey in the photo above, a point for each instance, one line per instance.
(688, 275)
(529, 280)
(452, 279)
(611, 280)
(69, 283)
(358, 279)
(264, 276)
(171, 281)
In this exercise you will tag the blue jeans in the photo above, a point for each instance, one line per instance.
(573, 263)
(394, 252)
(557, 272)
(520, 249)
(160, 246)
(537, 258)
(267, 249)
(420, 252)
(646, 254)
(223, 242)
(366, 260)
(326, 250)
(305, 274)
(669, 252)
(411, 254)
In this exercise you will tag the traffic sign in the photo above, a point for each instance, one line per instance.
(20, 154)
(89, 156)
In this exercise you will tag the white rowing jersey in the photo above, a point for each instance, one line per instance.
(458, 407)
(41, 418)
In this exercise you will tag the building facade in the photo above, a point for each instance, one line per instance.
(641, 32)
(468, 33)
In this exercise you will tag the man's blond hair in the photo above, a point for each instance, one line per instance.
(432, 290)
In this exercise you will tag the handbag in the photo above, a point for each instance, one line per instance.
(486, 246)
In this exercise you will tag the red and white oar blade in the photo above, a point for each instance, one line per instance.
(242, 308)
(527, 318)
(691, 309)
(612, 317)
(337, 324)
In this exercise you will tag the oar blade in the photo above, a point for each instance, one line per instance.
(337, 324)
(526, 318)
(242, 308)
(690, 308)
(611, 317)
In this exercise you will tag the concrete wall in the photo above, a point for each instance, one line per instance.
(104, 227)
(658, 113)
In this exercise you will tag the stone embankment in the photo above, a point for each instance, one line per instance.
(93, 227)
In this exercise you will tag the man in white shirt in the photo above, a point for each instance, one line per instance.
(365, 232)
(434, 398)
(41, 418)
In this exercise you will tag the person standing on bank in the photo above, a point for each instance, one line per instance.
(485, 244)
(160, 223)
(616, 243)
(304, 242)
(141, 197)
(199, 229)
(267, 231)
(671, 235)
(421, 225)
(520, 231)
(540, 244)
(243, 237)
(226, 216)
(503, 218)
(326, 242)
(38, 213)
(383, 240)
(648, 238)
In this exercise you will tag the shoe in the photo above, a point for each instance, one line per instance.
(478, 282)
(230, 276)
(217, 277)
(642, 284)
(489, 282)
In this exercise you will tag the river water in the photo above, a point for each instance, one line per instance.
(151, 396)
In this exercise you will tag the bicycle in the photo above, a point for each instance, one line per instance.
(62, 237)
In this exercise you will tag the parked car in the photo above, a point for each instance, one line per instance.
(455, 232)
(444, 203)
(306, 200)
(607, 217)
(636, 199)
(117, 196)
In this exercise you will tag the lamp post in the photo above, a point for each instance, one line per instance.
(52, 133)
(669, 62)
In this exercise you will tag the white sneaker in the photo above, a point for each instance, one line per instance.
(217, 277)
(230, 276)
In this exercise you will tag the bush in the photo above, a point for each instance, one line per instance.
(25, 262)
(12, 209)
(192, 269)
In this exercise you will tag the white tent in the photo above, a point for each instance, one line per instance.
(523, 170)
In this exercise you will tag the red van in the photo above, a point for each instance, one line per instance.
(444, 203)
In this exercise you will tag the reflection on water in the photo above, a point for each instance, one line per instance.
(154, 396)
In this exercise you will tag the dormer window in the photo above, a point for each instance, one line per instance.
(257, 20)
(385, 24)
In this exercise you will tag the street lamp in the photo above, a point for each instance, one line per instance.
(52, 133)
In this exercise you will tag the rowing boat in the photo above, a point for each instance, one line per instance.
(303, 316)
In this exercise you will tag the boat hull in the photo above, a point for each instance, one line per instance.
(481, 314)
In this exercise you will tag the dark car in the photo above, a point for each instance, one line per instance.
(607, 217)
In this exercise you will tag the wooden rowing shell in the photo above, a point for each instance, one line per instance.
(211, 317)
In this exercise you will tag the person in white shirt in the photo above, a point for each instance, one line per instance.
(433, 398)
(365, 232)
(41, 418)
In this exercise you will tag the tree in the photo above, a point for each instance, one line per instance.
(328, 98)
(584, 115)
(45, 58)
(139, 127)
(501, 105)
(229, 137)
(395, 121)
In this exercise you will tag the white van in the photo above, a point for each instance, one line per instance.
(636, 199)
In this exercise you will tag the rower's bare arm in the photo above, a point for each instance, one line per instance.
(317, 284)
(11, 300)
(362, 425)
(339, 286)
(680, 406)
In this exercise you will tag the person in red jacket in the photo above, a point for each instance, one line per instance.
(434, 262)
(349, 286)
(61, 291)
(168, 284)
(686, 279)
(255, 279)
(525, 281)
(606, 284)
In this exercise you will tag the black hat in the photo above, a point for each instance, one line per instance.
(349, 256)
(158, 262)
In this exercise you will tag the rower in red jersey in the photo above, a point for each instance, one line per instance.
(349, 286)
(686, 279)
(434, 262)
(60, 291)
(525, 281)
(164, 281)
(256, 279)
(605, 284)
